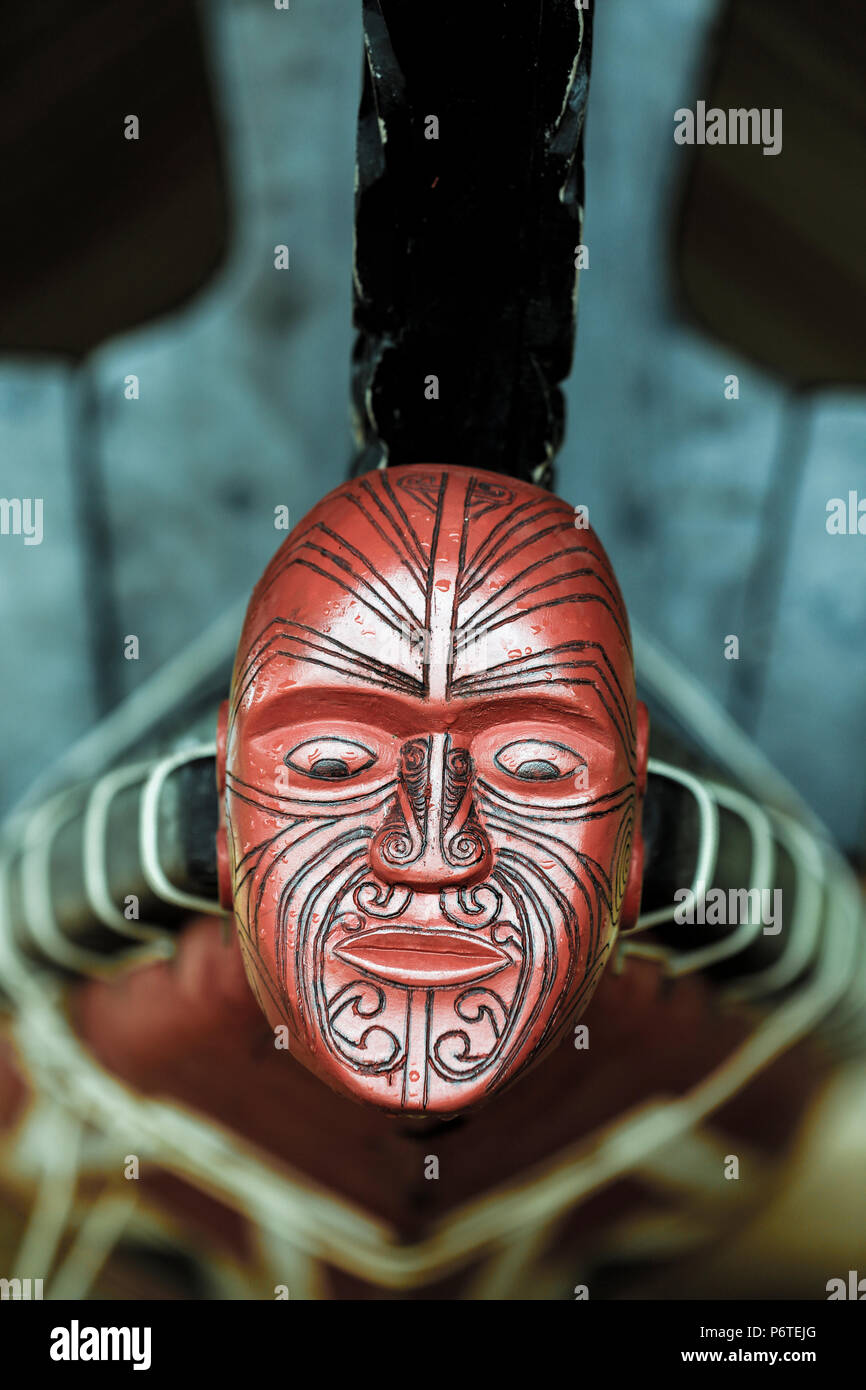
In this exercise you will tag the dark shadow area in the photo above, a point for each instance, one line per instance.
(101, 232)
(769, 248)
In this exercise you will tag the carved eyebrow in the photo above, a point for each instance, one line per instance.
(402, 718)
(284, 638)
(307, 704)
(571, 665)
(582, 724)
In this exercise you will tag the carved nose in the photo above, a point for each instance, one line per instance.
(431, 837)
(464, 859)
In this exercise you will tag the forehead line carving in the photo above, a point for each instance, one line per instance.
(404, 716)
(448, 600)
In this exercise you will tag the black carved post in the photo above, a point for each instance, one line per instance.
(468, 217)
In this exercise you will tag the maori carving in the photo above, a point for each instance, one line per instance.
(432, 845)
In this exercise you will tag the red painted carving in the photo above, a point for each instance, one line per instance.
(434, 766)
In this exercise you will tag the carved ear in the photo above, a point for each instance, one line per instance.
(631, 902)
(223, 866)
(642, 747)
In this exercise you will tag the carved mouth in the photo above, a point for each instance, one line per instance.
(422, 958)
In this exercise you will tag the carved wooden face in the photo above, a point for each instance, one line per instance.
(432, 783)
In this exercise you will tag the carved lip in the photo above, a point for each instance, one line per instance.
(422, 958)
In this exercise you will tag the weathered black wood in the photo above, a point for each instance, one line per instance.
(465, 244)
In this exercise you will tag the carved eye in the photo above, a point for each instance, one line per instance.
(331, 759)
(536, 760)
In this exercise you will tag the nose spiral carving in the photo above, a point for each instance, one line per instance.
(431, 835)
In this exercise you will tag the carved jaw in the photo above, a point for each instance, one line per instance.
(431, 840)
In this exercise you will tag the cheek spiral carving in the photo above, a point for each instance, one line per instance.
(471, 907)
(374, 900)
(621, 863)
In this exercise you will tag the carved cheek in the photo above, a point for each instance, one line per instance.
(621, 861)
